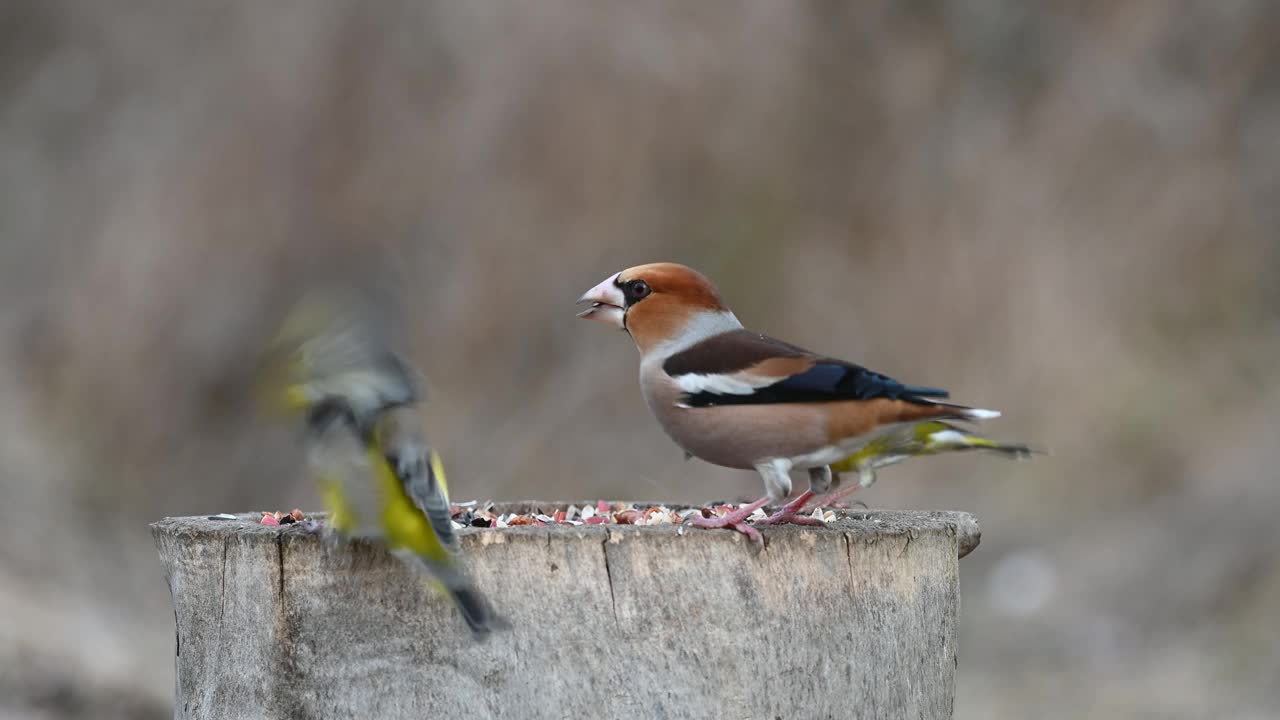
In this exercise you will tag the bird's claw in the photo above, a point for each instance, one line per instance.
(790, 517)
(733, 521)
(789, 514)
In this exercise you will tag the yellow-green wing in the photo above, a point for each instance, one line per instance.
(418, 470)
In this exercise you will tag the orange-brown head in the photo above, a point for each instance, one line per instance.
(655, 303)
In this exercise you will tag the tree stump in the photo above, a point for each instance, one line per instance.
(855, 620)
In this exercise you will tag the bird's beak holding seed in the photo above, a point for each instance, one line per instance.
(607, 303)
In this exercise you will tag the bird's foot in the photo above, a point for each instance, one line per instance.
(734, 520)
(789, 514)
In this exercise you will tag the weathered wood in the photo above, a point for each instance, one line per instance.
(857, 620)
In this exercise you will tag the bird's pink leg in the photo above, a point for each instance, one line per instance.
(735, 520)
(819, 481)
(838, 495)
(788, 513)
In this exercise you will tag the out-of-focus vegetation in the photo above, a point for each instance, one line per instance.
(1065, 210)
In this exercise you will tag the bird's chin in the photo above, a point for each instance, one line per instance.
(610, 315)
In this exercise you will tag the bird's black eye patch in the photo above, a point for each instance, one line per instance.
(636, 290)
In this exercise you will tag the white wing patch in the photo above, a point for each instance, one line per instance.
(694, 383)
(722, 384)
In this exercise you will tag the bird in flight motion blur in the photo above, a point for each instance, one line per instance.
(380, 479)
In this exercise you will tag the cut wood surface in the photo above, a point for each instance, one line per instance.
(855, 620)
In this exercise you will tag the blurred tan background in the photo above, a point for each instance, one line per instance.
(1065, 210)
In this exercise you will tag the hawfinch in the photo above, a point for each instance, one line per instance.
(739, 399)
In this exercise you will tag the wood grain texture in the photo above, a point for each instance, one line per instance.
(857, 620)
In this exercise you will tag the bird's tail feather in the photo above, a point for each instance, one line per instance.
(925, 392)
(476, 611)
(965, 412)
(940, 436)
(1012, 451)
(471, 603)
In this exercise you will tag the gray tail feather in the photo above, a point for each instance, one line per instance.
(1014, 452)
(477, 612)
(471, 603)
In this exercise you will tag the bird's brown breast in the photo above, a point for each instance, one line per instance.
(736, 436)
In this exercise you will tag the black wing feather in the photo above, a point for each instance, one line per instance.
(827, 381)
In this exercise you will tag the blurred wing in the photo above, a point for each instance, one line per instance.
(420, 474)
(336, 346)
(336, 456)
(367, 383)
(746, 368)
(418, 469)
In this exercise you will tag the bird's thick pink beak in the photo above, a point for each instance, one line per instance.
(607, 303)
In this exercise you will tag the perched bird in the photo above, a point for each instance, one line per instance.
(930, 437)
(739, 399)
(377, 475)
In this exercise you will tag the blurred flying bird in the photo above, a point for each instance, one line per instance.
(332, 364)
